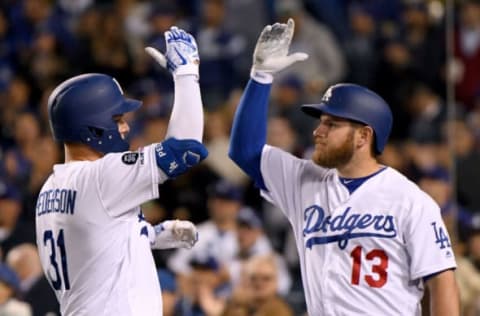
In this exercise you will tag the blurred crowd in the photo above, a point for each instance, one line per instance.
(245, 262)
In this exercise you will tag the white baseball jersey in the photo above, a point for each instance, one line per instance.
(364, 253)
(92, 238)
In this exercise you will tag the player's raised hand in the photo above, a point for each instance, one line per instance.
(174, 234)
(176, 156)
(271, 51)
(181, 56)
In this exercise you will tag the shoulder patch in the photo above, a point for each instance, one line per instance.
(130, 158)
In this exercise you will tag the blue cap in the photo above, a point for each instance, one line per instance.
(224, 189)
(436, 173)
(248, 217)
(9, 277)
(205, 263)
(6, 75)
(162, 8)
(9, 191)
(292, 81)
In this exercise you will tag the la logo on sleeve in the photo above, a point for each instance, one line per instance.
(441, 238)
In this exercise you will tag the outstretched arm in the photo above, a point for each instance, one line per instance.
(249, 131)
(182, 60)
(182, 148)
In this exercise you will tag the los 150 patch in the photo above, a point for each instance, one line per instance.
(130, 158)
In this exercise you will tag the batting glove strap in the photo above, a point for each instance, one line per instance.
(174, 234)
(181, 57)
(175, 156)
(261, 77)
(186, 70)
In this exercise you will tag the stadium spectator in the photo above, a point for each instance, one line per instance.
(467, 172)
(217, 131)
(259, 293)
(218, 243)
(17, 163)
(34, 288)
(162, 15)
(9, 284)
(258, 13)
(326, 64)
(361, 46)
(17, 96)
(424, 37)
(286, 96)
(170, 293)
(467, 52)
(219, 48)
(428, 114)
(12, 231)
(252, 241)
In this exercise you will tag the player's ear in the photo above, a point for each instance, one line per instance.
(365, 136)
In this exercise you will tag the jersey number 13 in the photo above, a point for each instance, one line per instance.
(378, 276)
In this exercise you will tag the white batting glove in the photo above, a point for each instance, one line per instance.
(271, 51)
(173, 234)
(181, 57)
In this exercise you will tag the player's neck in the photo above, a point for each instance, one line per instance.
(80, 152)
(358, 168)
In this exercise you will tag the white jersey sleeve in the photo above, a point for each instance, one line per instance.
(427, 239)
(135, 175)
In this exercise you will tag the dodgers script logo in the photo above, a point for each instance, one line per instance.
(345, 226)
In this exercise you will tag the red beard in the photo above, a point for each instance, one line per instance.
(328, 157)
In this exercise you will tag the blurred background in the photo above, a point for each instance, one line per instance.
(423, 57)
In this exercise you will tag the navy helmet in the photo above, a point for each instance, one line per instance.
(356, 103)
(81, 109)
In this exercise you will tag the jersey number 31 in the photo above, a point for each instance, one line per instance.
(49, 240)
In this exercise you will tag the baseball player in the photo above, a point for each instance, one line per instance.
(369, 240)
(93, 241)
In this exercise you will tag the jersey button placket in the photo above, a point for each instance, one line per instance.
(327, 267)
(330, 264)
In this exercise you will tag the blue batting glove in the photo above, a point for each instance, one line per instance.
(176, 156)
(181, 56)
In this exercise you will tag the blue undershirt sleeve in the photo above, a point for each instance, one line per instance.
(249, 130)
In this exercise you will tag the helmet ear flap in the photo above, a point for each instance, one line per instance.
(99, 139)
(86, 136)
(95, 131)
